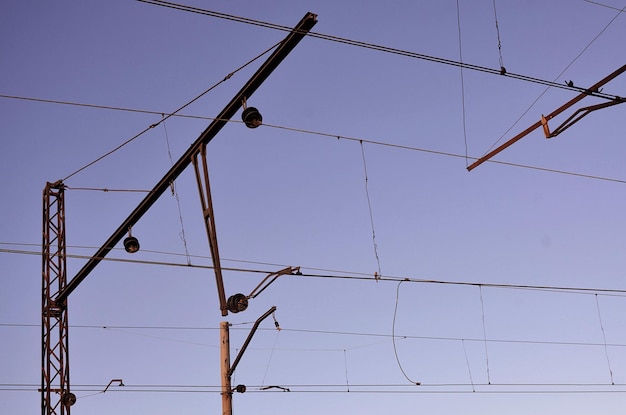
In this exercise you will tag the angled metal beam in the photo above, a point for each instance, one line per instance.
(553, 114)
(285, 47)
(244, 347)
(204, 190)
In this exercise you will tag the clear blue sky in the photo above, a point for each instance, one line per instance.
(285, 196)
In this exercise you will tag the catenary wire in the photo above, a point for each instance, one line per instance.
(354, 276)
(440, 388)
(339, 137)
(338, 273)
(386, 336)
(380, 48)
(106, 190)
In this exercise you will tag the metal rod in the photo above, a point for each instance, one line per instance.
(578, 115)
(553, 114)
(247, 342)
(286, 46)
(204, 190)
(258, 290)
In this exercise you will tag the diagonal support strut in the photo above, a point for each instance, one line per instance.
(272, 62)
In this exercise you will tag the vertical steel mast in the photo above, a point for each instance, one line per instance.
(56, 397)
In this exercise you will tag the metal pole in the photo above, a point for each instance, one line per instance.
(227, 394)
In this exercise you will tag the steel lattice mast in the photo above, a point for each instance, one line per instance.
(56, 397)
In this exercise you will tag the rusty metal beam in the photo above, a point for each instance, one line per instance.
(206, 201)
(281, 52)
(553, 114)
(56, 397)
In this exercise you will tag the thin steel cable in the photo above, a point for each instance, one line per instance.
(226, 78)
(269, 361)
(378, 275)
(345, 362)
(95, 387)
(482, 309)
(495, 15)
(555, 80)
(458, 19)
(605, 5)
(106, 190)
(175, 194)
(469, 369)
(442, 388)
(393, 336)
(606, 350)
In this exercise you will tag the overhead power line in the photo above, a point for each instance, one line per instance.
(355, 276)
(370, 388)
(323, 134)
(385, 49)
(331, 333)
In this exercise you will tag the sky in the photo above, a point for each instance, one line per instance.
(502, 287)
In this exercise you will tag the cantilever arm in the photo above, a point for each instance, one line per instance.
(247, 342)
(553, 114)
(272, 62)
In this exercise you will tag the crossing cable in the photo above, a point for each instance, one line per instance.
(380, 48)
(356, 276)
(469, 368)
(369, 205)
(165, 117)
(175, 194)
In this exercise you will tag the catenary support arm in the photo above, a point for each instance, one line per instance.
(286, 46)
